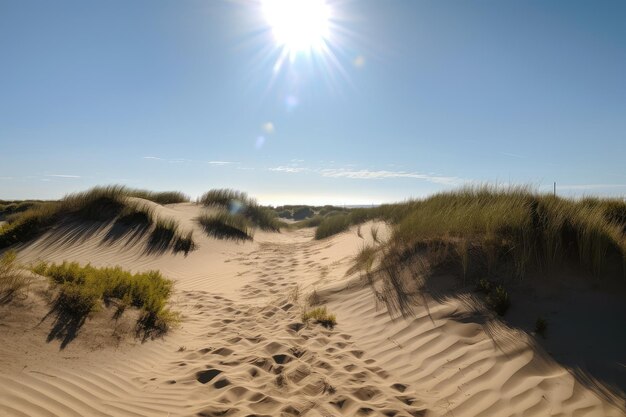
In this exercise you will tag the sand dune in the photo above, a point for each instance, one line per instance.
(242, 350)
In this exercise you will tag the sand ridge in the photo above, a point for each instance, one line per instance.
(242, 349)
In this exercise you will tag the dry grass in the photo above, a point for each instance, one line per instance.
(224, 225)
(238, 203)
(321, 316)
(13, 282)
(332, 225)
(97, 204)
(488, 227)
(487, 234)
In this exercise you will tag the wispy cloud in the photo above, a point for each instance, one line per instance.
(365, 174)
(63, 176)
(221, 162)
(184, 160)
(6, 178)
(289, 169)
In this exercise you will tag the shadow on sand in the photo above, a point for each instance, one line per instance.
(119, 231)
(585, 326)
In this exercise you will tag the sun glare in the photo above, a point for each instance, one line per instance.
(298, 25)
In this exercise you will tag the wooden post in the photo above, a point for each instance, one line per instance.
(555, 188)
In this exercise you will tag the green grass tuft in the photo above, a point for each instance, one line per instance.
(499, 301)
(321, 316)
(83, 289)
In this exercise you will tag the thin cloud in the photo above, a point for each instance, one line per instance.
(63, 176)
(365, 174)
(221, 162)
(156, 158)
(290, 170)
(512, 155)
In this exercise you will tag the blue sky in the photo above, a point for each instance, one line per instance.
(419, 97)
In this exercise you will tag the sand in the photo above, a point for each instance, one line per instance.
(242, 350)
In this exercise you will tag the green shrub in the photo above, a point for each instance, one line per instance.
(302, 213)
(483, 286)
(223, 225)
(499, 300)
(321, 316)
(285, 214)
(82, 289)
(332, 225)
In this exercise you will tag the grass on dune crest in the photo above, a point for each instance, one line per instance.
(97, 204)
(487, 227)
(83, 289)
(332, 225)
(238, 203)
(224, 225)
(480, 232)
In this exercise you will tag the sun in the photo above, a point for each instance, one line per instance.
(298, 25)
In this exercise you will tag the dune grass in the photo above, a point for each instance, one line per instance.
(83, 289)
(13, 282)
(321, 316)
(97, 204)
(488, 227)
(332, 225)
(8, 208)
(238, 203)
(488, 234)
(224, 225)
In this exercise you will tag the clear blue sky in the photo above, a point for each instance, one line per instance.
(417, 97)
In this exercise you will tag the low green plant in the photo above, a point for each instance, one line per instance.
(13, 282)
(498, 300)
(83, 289)
(484, 286)
(321, 316)
(541, 326)
(224, 225)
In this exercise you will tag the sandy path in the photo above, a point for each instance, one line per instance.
(242, 351)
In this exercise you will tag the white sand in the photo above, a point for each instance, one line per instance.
(242, 351)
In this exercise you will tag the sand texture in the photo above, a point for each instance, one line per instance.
(241, 348)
